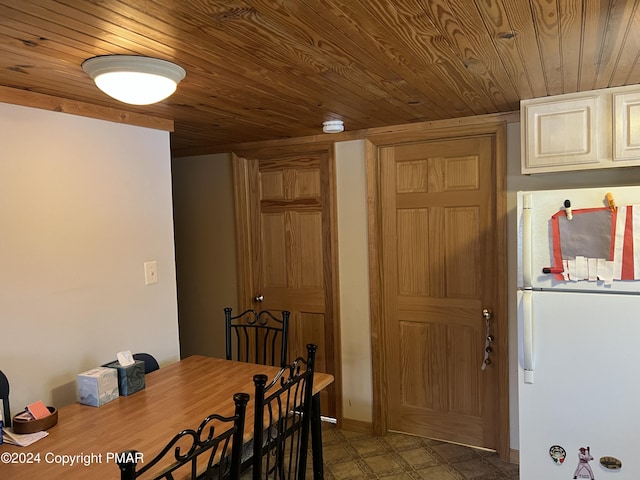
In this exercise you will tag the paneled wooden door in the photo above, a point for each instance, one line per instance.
(438, 270)
(287, 253)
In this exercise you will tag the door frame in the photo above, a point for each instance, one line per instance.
(496, 130)
(242, 214)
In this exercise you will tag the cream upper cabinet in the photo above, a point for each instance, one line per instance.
(626, 128)
(579, 131)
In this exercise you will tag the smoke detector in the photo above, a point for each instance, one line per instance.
(333, 126)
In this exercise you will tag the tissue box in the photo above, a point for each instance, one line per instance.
(98, 386)
(130, 378)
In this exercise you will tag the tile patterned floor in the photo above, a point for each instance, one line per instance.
(350, 455)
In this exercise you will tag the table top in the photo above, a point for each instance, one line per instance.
(176, 397)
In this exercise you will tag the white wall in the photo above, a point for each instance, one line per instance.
(353, 264)
(83, 204)
(205, 251)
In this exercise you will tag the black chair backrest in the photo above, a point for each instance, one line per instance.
(204, 449)
(4, 396)
(282, 421)
(257, 337)
(150, 363)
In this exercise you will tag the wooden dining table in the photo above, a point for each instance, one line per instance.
(178, 396)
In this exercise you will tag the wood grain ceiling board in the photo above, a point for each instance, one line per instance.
(269, 69)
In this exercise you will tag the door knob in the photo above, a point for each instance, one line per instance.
(487, 314)
(258, 298)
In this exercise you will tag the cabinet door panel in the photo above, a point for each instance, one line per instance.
(559, 135)
(626, 141)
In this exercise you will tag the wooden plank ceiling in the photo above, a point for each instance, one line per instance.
(269, 69)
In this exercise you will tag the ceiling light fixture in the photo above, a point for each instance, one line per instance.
(134, 79)
(333, 126)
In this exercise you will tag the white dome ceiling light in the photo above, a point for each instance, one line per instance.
(134, 79)
(333, 126)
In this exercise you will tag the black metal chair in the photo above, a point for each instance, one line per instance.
(150, 363)
(4, 396)
(257, 337)
(205, 448)
(282, 421)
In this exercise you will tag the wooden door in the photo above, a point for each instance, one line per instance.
(438, 270)
(284, 206)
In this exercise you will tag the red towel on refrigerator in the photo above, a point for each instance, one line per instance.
(613, 235)
(599, 233)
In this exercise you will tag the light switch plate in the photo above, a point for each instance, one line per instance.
(150, 272)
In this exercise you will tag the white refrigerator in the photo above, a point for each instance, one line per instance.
(579, 334)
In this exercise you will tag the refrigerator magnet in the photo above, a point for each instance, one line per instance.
(583, 470)
(610, 463)
(557, 454)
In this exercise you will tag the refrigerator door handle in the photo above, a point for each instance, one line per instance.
(526, 240)
(527, 334)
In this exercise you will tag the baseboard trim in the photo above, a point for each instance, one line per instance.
(357, 426)
(514, 456)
